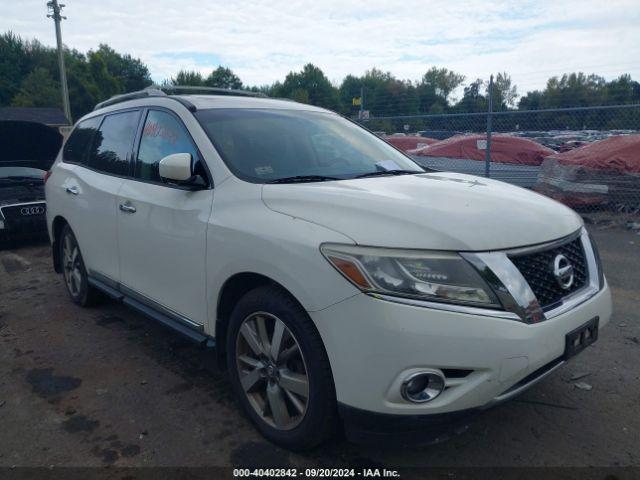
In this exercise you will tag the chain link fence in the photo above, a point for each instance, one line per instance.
(587, 157)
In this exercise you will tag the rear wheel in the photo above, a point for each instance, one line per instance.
(279, 369)
(74, 271)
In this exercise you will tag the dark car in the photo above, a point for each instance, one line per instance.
(27, 151)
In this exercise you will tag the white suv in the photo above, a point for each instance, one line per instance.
(338, 281)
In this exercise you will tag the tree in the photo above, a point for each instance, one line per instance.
(349, 89)
(310, 86)
(15, 65)
(38, 89)
(429, 99)
(190, 78)
(472, 99)
(442, 82)
(84, 93)
(395, 97)
(29, 73)
(130, 72)
(107, 85)
(504, 94)
(581, 90)
(264, 89)
(622, 90)
(574, 90)
(223, 77)
(374, 83)
(531, 101)
(383, 94)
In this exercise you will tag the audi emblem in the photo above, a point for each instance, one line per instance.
(29, 211)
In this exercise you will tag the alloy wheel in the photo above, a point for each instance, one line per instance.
(272, 370)
(72, 265)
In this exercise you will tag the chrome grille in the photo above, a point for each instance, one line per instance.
(537, 269)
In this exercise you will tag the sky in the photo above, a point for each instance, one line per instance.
(263, 40)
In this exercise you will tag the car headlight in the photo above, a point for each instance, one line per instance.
(426, 275)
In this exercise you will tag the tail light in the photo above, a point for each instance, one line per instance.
(47, 175)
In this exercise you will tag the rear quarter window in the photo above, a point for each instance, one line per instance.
(77, 145)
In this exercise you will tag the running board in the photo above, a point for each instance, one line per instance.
(175, 324)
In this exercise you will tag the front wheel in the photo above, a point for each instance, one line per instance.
(279, 369)
(74, 271)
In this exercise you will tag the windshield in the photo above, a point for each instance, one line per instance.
(261, 146)
(21, 172)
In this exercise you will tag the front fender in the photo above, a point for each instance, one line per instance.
(246, 237)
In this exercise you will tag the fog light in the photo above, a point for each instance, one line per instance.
(421, 387)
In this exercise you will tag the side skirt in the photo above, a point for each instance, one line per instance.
(151, 310)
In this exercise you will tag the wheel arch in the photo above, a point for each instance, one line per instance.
(232, 290)
(57, 226)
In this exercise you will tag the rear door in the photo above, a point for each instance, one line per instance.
(92, 188)
(161, 227)
(62, 187)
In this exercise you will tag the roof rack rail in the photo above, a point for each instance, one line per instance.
(159, 91)
(212, 90)
(147, 92)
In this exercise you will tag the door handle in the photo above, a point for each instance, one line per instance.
(128, 208)
(72, 190)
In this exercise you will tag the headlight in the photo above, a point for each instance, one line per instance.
(425, 275)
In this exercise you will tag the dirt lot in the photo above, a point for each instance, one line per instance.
(106, 386)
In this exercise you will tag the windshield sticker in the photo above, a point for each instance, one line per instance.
(388, 165)
(266, 170)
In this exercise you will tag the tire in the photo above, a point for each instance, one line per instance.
(280, 378)
(74, 272)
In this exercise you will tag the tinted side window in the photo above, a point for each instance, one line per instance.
(112, 143)
(162, 135)
(77, 145)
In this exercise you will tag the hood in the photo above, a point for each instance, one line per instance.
(440, 211)
(28, 144)
(20, 192)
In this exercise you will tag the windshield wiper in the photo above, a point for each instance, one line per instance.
(388, 172)
(303, 179)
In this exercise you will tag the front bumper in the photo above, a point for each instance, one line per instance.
(374, 344)
(364, 427)
(23, 220)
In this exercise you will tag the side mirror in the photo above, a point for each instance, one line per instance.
(176, 167)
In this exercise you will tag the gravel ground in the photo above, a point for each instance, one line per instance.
(105, 386)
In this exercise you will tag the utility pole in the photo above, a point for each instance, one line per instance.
(54, 12)
(361, 101)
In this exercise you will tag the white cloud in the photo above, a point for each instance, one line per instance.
(263, 40)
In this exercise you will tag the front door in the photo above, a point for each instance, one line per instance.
(162, 228)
